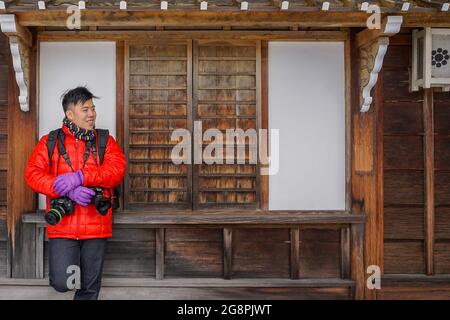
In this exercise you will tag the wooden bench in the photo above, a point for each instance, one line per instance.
(351, 226)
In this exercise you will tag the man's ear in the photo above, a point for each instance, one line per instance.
(69, 114)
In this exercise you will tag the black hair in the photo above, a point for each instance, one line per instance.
(74, 96)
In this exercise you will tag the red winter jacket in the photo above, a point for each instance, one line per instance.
(84, 222)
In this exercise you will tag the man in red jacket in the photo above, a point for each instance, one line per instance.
(77, 240)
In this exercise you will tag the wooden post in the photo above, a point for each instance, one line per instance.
(357, 258)
(160, 246)
(227, 252)
(120, 76)
(20, 198)
(264, 180)
(295, 253)
(40, 236)
(345, 253)
(428, 124)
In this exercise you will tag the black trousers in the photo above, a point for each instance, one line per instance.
(77, 264)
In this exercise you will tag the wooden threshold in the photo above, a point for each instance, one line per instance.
(414, 279)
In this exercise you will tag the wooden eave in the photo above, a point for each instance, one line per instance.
(95, 18)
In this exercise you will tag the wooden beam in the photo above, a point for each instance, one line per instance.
(196, 18)
(53, 18)
(389, 27)
(372, 46)
(225, 217)
(10, 27)
(137, 36)
(20, 41)
(428, 143)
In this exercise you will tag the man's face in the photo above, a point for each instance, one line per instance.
(82, 114)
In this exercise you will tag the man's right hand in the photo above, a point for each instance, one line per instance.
(67, 182)
(81, 195)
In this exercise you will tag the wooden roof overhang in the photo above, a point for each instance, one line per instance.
(17, 16)
(386, 6)
(197, 19)
(228, 13)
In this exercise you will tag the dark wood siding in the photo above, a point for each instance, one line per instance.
(130, 254)
(405, 231)
(403, 160)
(199, 252)
(442, 182)
(4, 58)
(3, 249)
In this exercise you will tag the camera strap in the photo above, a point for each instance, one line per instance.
(63, 153)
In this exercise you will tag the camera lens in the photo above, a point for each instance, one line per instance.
(102, 205)
(53, 217)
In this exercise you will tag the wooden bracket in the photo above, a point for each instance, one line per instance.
(20, 41)
(372, 45)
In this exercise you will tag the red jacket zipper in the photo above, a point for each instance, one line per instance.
(77, 166)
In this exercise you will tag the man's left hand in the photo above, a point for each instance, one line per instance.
(67, 182)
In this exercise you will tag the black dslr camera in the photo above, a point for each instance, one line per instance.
(102, 204)
(59, 207)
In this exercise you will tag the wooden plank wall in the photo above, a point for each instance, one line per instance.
(413, 242)
(130, 254)
(4, 270)
(4, 58)
(403, 158)
(198, 252)
(442, 182)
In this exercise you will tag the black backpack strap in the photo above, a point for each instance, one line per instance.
(62, 149)
(51, 142)
(102, 140)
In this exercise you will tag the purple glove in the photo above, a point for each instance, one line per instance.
(68, 181)
(81, 195)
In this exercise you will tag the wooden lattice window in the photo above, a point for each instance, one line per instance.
(171, 85)
(225, 97)
(158, 99)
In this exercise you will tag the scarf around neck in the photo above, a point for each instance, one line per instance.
(79, 133)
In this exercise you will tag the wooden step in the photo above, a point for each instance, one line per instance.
(200, 282)
(186, 289)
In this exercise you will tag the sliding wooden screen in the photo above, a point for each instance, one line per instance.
(159, 99)
(171, 85)
(226, 76)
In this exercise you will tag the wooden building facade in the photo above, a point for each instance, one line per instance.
(208, 231)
